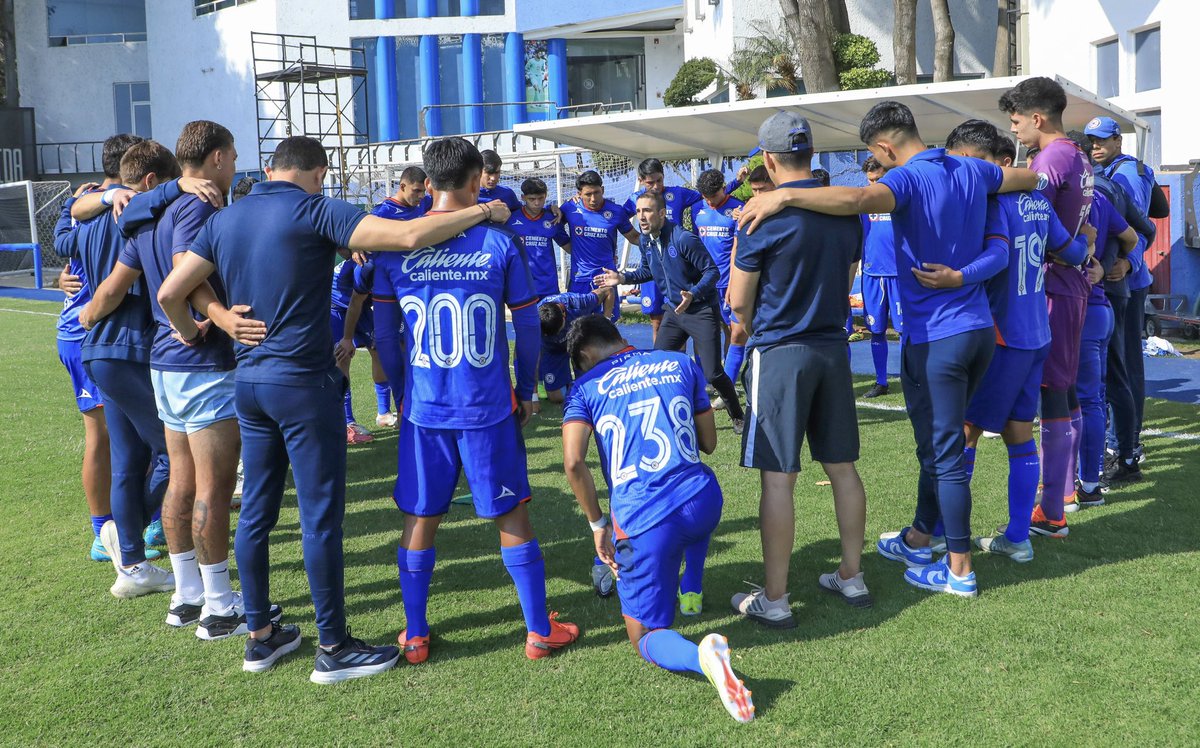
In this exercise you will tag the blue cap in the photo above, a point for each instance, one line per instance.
(1102, 127)
(785, 132)
(754, 153)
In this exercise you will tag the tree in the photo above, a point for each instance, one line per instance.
(8, 55)
(943, 44)
(693, 77)
(856, 57)
(1001, 64)
(811, 23)
(768, 59)
(904, 41)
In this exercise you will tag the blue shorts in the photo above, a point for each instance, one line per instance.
(649, 563)
(652, 300)
(189, 401)
(364, 331)
(585, 285)
(1009, 390)
(555, 368)
(87, 394)
(431, 460)
(881, 303)
(727, 314)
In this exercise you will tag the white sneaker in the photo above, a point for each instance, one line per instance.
(853, 590)
(755, 605)
(386, 420)
(237, 488)
(718, 403)
(714, 661)
(142, 579)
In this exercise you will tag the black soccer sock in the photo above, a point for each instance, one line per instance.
(729, 394)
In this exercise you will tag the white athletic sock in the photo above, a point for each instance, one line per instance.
(218, 595)
(188, 585)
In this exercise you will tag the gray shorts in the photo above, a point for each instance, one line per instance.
(796, 390)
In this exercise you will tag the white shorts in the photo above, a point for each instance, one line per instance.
(189, 401)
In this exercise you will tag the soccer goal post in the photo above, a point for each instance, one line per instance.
(18, 225)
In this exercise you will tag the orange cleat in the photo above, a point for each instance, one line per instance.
(416, 649)
(561, 635)
(1039, 524)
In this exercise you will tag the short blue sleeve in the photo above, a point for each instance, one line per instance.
(188, 222)
(202, 246)
(333, 219)
(992, 175)
(561, 236)
(902, 184)
(750, 249)
(518, 286)
(364, 277)
(582, 303)
(576, 409)
(624, 226)
(129, 256)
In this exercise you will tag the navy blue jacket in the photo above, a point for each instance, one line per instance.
(680, 264)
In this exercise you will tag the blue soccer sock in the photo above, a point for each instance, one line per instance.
(383, 398)
(693, 566)
(528, 571)
(349, 406)
(98, 522)
(416, 572)
(969, 461)
(668, 650)
(939, 529)
(734, 360)
(1024, 471)
(879, 354)
(157, 514)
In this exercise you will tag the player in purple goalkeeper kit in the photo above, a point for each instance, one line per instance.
(1035, 108)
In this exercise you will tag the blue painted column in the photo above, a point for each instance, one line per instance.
(387, 99)
(469, 8)
(514, 77)
(472, 77)
(426, 8)
(556, 53)
(427, 52)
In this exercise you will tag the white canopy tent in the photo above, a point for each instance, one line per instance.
(717, 130)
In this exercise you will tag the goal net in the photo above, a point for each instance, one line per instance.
(28, 213)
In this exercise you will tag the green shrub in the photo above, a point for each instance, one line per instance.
(693, 77)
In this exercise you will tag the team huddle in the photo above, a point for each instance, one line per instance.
(210, 352)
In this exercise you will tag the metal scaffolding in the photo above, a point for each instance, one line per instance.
(306, 88)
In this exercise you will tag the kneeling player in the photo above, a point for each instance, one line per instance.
(651, 417)
(555, 315)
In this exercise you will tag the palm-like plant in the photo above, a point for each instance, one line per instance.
(767, 60)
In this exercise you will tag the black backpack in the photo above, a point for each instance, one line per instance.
(1160, 207)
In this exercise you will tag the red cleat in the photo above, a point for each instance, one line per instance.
(561, 635)
(416, 649)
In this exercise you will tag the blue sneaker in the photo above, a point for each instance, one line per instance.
(1021, 552)
(353, 658)
(154, 534)
(892, 546)
(938, 578)
(98, 553)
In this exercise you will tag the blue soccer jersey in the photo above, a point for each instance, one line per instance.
(716, 227)
(539, 234)
(501, 193)
(1026, 222)
(151, 250)
(452, 297)
(594, 237)
(642, 406)
(68, 320)
(941, 209)
(677, 200)
(879, 245)
(396, 211)
(575, 305)
(349, 278)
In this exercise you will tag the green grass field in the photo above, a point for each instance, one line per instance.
(1094, 643)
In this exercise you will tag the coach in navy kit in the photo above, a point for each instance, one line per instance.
(680, 265)
(289, 391)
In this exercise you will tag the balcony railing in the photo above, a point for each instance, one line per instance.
(77, 39)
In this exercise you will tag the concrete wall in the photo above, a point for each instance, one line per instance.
(71, 88)
(1061, 41)
(664, 55)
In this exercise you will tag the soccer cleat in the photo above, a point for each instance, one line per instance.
(853, 590)
(386, 420)
(856, 336)
(604, 582)
(892, 546)
(1123, 472)
(214, 627)
(754, 605)
(356, 434)
(1139, 454)
(416, 649)
(937, 577)
(262, 654)
(1040, 525)
(877, 390)
(99, 553)
(353, 658)
(1070, 505)
(718, 403)
(714, 661)
(181, 615)
(1089, 499)
(142, 579)
(561, 634)
(154, 534)
(739, 425)
(691, 603)
(1021, 552)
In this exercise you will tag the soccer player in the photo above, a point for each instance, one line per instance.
(461, 412)
(712, 220)
(489, 184)
(651, 419)
(353, 326)
(409, 201)
(938, 204)
(760, 180)
(1024, 224)
(288, 390)
(880, 290)
(1035, 107)
(594, 224)
(555, 315)
(539, 230)
(193, 386)
(678, 262)
(97, 470)
(788, 285)
(1137, 181)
